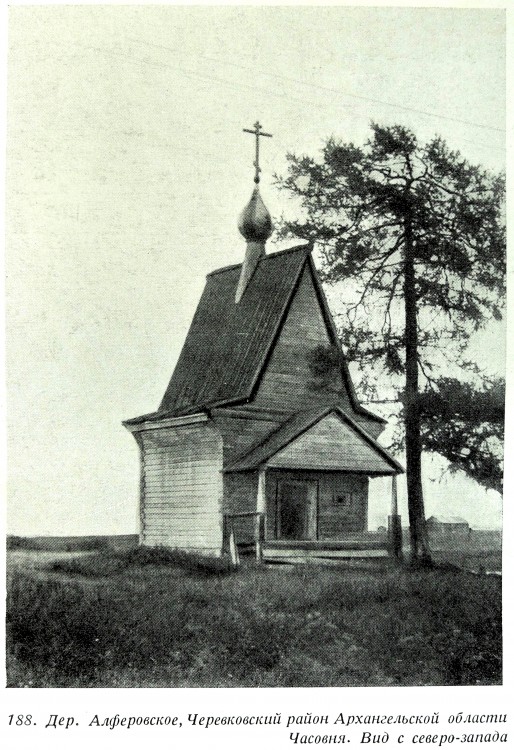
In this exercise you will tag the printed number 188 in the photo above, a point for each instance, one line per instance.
(20, 720)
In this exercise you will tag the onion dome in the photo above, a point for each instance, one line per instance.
(255, 220)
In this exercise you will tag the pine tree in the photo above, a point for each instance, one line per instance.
(417, 234)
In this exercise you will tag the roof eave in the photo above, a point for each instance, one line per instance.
(139, 424)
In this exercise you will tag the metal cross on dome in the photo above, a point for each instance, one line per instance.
(257, 132)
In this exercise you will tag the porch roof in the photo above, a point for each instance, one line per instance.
(354, 451)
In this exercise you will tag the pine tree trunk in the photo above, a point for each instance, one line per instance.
(420, 550)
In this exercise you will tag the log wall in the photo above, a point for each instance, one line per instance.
(342, 502)
(242, 428)
(288, 382)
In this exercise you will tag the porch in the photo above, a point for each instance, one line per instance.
(361, 545)
(302, 494)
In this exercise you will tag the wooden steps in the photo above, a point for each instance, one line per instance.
(366, 545)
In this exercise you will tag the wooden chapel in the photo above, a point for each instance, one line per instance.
(250, 438)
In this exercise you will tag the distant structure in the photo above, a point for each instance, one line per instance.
(447, 526)
(260, 439)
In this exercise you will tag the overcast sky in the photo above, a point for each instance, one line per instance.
(127, 169)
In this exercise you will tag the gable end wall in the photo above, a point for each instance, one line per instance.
(331, 444)
(288, 382)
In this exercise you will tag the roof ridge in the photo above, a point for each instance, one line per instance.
(264, 258)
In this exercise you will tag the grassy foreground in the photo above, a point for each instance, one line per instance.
(157, 620)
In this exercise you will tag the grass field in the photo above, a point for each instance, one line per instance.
(130, 619)
(486, 561)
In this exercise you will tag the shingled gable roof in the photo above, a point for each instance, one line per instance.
(228, 344)
(296, 426)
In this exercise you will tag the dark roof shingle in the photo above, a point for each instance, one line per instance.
(227, 343)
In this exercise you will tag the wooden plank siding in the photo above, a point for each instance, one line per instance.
(288, 381)
(181, 488)
(342, 502)
(330, 444)
(240, 430)
(343, 505)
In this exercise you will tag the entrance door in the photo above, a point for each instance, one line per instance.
(297, 509)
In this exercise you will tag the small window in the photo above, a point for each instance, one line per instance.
(344, 499)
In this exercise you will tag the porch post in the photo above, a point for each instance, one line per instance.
(395, 523)
(261, 510)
